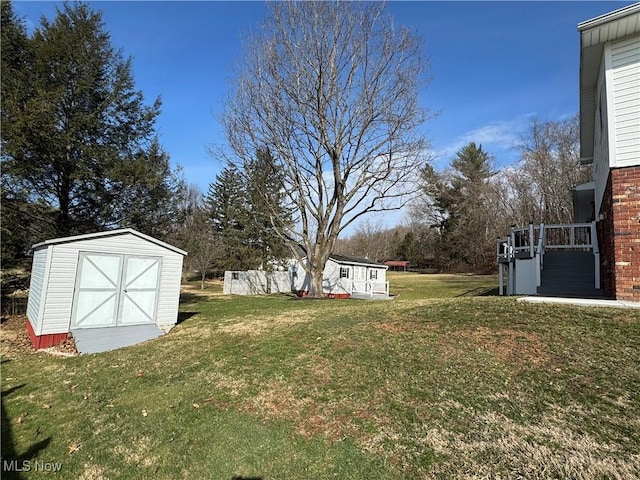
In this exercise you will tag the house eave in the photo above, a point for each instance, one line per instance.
(594, 33)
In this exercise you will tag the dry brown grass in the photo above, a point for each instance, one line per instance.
(258, 325)
(550, 448)
(92, 472)
(512, 347)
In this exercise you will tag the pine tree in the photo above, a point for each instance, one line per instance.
(147, 191)
(458, 204)
(227, 202)
(77, 117)
(269, 212)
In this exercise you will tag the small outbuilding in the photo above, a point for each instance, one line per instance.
(109, 289)
(344, 277)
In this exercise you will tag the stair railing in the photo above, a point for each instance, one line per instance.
(577, 236)
(569, 236)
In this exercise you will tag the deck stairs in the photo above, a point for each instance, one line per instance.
(569, 274)
(550, 260)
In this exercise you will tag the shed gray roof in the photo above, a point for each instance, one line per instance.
(108, 233)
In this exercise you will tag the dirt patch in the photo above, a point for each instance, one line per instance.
(14, 335)
(15, 339)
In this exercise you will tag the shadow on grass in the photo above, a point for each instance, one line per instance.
(481, 292)
(183, 316)
(12, 463)
(187, 298)
(235, 477)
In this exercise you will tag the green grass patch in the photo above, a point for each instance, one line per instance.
(433, 384)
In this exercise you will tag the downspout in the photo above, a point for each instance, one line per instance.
(596, 254)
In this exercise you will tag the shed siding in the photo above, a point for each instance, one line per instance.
(36, 297)
(64, 262)
(625, 62)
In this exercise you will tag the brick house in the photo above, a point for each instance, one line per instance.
(610, 141)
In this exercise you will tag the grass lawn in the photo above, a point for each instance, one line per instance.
(430, 385)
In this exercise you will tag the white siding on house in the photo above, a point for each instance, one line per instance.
(331, 281)
(62, 275)
(625, 64)
(36, 296)
(256, 282)
(359, 279)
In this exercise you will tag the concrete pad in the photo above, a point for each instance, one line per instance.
(582, 302)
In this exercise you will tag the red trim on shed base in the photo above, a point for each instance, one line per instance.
(44, 341)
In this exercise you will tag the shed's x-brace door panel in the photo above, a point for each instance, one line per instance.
(140, 290)
(115, 290)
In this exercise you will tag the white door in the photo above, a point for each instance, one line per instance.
(359, 279)
(139, 290)
(97, 290)
(114, 289)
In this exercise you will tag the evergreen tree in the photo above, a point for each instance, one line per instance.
(227, 201)
(72, 117)
(458, 203)
(248, 210)
(269, 212)
(23, 222)
(147, 192)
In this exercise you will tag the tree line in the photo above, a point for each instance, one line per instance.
(323, 128)
(462, 209)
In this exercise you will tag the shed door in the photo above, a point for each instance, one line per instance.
(114, 289)
(139, 290)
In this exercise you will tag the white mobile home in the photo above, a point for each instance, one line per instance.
(109, 289)
(345, 277)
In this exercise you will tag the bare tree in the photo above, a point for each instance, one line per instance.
(331, 89)
(549, 169)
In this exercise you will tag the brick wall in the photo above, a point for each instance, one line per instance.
(619, 234)
(605, 241)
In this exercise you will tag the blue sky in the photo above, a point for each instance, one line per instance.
(494, 66)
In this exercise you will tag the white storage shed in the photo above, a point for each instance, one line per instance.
(109, 289)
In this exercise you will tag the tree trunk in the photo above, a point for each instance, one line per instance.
(316, 274)
(202, 280)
